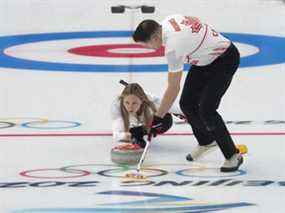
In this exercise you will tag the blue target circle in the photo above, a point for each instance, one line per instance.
(270, 52)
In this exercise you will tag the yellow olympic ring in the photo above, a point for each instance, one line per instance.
(19, 120)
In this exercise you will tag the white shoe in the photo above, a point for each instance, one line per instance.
(232, 164)
(200, 151)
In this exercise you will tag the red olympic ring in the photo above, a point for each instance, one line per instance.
(28, 172)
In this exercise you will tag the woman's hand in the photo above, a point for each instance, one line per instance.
(128, 137)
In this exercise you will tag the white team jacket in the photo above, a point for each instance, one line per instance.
(188, 40)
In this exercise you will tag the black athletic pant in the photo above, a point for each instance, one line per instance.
(203, 89)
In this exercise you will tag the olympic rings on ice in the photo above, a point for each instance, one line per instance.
(37, 123)
(117, 171)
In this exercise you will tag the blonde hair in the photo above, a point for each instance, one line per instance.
(147, 108)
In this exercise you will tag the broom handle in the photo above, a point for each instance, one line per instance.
(123, 83)
(143, 155)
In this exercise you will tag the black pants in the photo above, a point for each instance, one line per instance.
(203, 89)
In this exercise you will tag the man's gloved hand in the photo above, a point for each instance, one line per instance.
(156, 127)
(180, 116)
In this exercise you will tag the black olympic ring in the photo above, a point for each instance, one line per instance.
(4, 124)
(73, 168)
(160, 172)
(123, 168)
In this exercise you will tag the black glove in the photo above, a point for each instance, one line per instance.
(139, 141)
(160, 125)
(180, 116)
(156, 126)
(138, 132)
(137, 135)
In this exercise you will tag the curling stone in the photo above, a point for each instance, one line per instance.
(126, 153)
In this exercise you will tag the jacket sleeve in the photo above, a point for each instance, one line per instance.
(173, 109)
(118, 128)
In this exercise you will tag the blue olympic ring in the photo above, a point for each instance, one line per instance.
(271, 49)
(182, 173)
(70, 124)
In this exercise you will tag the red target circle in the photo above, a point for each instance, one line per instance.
(107, 50)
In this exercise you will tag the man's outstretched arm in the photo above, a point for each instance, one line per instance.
(171, 92)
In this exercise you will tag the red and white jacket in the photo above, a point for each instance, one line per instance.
(188, 40)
